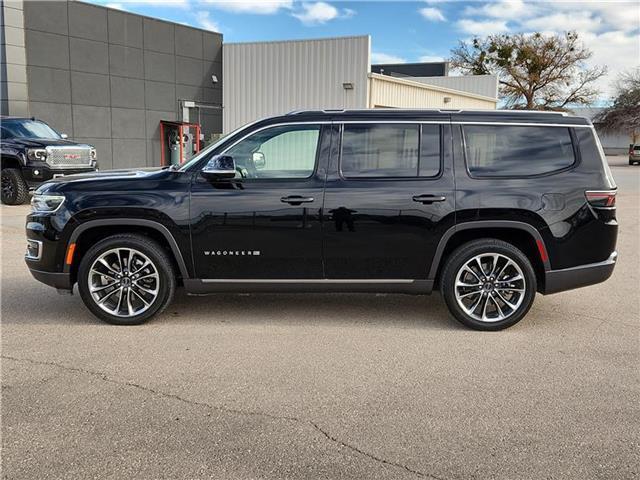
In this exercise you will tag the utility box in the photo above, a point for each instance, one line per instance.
(179, 141)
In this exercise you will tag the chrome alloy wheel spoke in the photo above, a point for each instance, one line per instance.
(490, 287)
(130, 285)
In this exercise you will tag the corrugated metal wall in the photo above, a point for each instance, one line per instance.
(270, 78)
(485, 85)
(394, 92)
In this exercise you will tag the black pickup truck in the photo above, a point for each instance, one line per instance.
(33, 152)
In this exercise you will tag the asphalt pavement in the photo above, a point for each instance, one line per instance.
(323, 386)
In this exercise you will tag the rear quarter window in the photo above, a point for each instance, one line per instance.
(517, 151)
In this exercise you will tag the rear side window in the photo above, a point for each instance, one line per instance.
(522, 151)
(390, 150)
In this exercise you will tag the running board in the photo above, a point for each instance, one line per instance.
(232, 285)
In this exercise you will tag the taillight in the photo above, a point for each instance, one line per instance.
(601, 198)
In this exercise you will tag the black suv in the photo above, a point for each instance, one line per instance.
(488, 207)
(33, 152)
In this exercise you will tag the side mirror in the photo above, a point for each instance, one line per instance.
(259, 162)
(219, 167)
(64, 136)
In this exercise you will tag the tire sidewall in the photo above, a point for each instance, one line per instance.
(153, 252)
(20, 191)
(464, 254)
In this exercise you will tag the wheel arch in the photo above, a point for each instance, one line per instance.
(102, 228)
(8, 160)
(520, 234)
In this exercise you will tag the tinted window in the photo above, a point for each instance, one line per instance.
(517, 150)
(279, 152)
(390, 150)
(430, 151)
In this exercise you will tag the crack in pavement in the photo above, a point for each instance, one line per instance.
(315, 426)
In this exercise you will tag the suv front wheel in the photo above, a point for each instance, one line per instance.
(126, 279)
(488, 284)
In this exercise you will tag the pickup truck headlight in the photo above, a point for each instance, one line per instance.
(46, 203)
(37, 154)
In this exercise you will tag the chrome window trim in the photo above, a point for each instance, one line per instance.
(522, 124)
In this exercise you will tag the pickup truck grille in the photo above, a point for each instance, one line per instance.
(61, 157)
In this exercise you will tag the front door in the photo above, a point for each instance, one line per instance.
(389, 198)
(265, 223)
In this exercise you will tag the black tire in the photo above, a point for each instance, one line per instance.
(14, 188)
(155, 254)
(467, 252)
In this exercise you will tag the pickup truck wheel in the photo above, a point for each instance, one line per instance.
(126, 279)
(14, 188)
(488, 284)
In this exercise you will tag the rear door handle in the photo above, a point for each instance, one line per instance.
(428, 199)
(296, 200)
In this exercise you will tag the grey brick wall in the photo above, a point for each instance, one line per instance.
(13, 70)
(107, 77)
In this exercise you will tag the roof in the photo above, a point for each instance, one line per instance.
(507, 116)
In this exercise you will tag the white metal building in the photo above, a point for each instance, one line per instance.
(270, 78)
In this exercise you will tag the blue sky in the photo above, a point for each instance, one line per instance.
(406, 31)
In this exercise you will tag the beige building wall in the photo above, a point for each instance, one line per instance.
(392, 92)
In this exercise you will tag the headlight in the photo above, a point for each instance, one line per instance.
(93, 154)
(37, 154)
(46, 203)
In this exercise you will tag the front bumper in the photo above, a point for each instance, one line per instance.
(582, 276)
(61, 281)
(37, 174)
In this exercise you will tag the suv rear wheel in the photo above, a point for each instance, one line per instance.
(488, 284)
(14, 188)
(126, 279)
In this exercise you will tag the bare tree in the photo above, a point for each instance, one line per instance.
(535, 71)
(624, 112)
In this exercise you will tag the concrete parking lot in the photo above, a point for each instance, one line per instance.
(323, 386)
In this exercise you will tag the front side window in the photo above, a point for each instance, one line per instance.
(390, 150)
(521, 151)
(287, 151)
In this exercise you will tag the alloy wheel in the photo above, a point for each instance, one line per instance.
(124, 282)
(490, 287)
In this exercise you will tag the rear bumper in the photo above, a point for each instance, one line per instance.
(582, 276)
(61, 281)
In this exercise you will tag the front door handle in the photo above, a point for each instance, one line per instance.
(296, 200)
(428, 199)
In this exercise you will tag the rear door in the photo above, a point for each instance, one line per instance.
(265, 223)
(389, 198)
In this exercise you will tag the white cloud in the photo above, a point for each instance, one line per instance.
(154, 3)
(259, 7)
(503, 9)
(377, 57)
(318, 13)
(482, 27)
(117, 6)
(431, 58)
(207, 23)
(582, 20)
(433, 14)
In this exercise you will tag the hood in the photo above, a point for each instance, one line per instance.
(106, 180)
(42, 142)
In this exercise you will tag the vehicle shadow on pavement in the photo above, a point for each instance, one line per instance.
(407, 311)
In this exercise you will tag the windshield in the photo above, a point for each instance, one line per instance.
(28, 129)
(207, 150)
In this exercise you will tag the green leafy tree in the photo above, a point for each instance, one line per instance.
(535, 71)
(624, 112)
